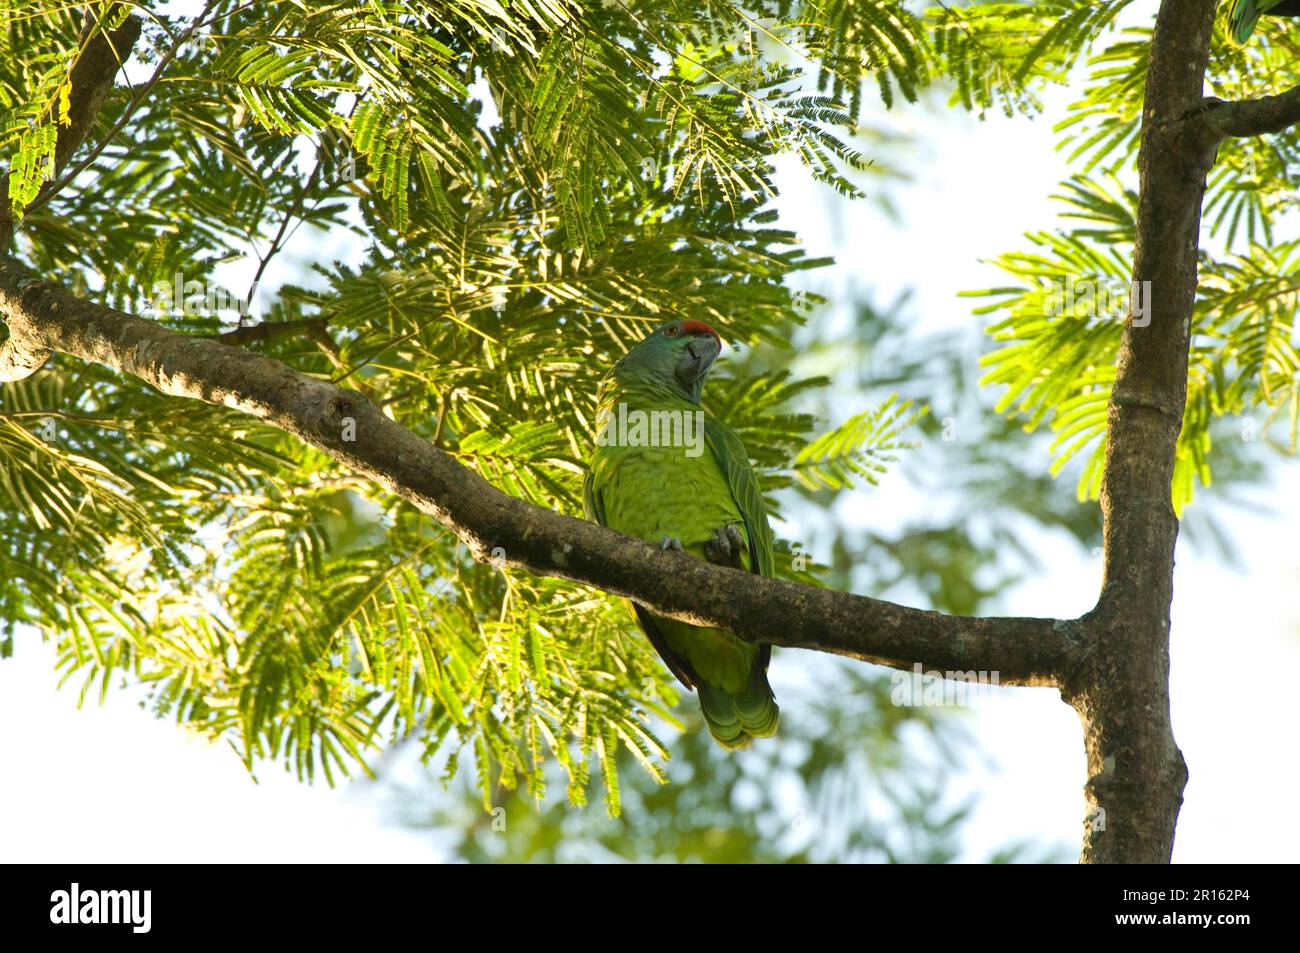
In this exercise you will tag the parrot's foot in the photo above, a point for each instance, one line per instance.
(725, 547)
(671, 542)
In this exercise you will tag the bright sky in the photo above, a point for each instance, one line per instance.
(112, 783)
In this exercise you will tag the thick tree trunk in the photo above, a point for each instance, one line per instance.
(1136, 772)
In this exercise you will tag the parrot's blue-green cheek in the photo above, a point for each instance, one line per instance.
(697, 355)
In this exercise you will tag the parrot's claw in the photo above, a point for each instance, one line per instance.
(725, 547)
(671, 542)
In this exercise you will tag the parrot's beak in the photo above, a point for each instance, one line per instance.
(697, 357)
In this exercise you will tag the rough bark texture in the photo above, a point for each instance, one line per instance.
(1254, 117)
(92, 78)
(1112, 665)
(1136, 772)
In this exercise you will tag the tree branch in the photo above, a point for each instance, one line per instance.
(498, 527)
(92, 79)
(271, 330)
(53, 188)
(20, 358)
(1253, 117)
(1136, 773)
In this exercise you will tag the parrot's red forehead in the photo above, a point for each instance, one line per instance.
(699, 327)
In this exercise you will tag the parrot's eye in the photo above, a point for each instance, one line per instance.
(671, 330)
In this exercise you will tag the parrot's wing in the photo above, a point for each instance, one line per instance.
(729, 450)
(676, 664)
(1242, 17)
(730, 453)
(591, 504)
(594, 508)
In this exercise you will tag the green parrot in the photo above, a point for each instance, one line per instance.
(1244, 14)
(666, 472)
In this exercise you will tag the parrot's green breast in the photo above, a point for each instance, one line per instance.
(653, 492)
(663, 470)
(678, 491)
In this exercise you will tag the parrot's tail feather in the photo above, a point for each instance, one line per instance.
(1243, 16)
(757, 707)
(734, 720)
(720, 715)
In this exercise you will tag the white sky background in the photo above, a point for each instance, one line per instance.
(112, 783)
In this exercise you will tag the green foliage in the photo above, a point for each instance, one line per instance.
(1060, 338)
(539, 185)
(839, 786)
(997, 53)
(1058, 363)
(864, 445)
(984, 495)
